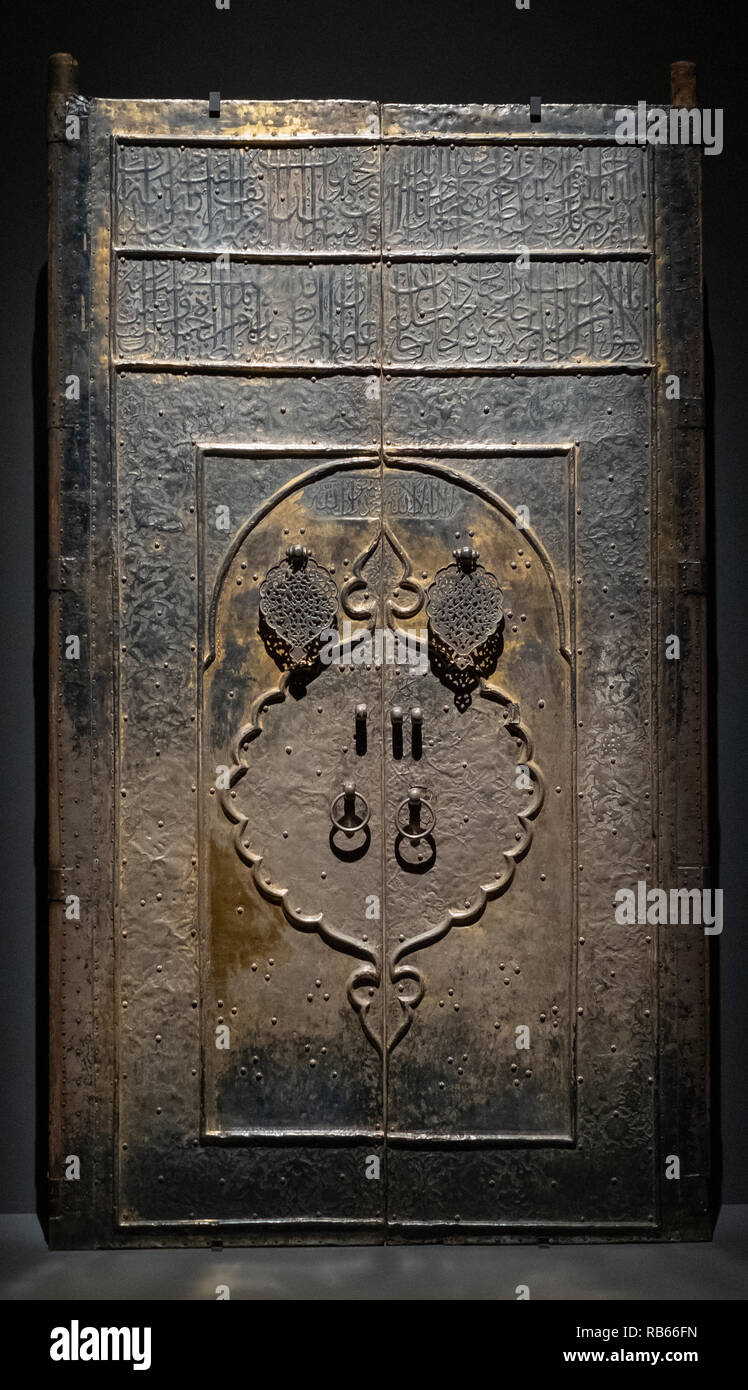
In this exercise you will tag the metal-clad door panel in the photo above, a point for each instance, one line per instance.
(289, 962)
(482, 911)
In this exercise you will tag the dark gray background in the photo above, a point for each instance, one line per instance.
(564, 50)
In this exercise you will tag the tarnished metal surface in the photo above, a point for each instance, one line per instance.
(371, 696)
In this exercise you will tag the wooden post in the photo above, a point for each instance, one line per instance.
(683, 85)
(62, 75)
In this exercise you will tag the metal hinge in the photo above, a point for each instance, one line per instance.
(54, 1190)
(692, 576)
(691, 413)
(690, 876)
(687, 874)
(58, 572)
(55, 887)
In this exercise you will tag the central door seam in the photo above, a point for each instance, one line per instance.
(383, 686)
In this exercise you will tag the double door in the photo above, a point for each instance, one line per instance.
(380, 524)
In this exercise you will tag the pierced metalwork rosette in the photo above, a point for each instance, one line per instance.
(298, 601)
(465, 607)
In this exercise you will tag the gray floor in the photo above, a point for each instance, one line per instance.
(706, 1271)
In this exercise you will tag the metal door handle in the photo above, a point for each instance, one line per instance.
(354, 810)
(361, 739)
(396, 719)
(416, 731)
(421, 816)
